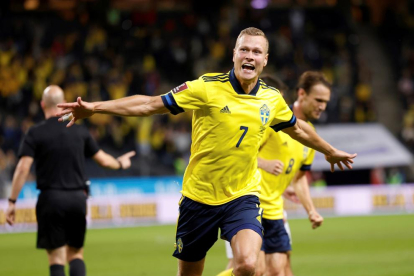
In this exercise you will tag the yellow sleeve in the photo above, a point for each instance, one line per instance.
(283, 116)
(190, 95)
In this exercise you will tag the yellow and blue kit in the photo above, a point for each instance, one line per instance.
(221, 183)
(227, 128)
(294, 156)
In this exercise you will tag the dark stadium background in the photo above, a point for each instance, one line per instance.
(103, 50)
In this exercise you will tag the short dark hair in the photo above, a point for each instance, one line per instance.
(311, 78)
(275, 82)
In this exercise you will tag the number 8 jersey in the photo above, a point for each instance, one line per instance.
(294, 156)
(227, 128)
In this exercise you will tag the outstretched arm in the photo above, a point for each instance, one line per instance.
(304, 133)
(301, 186)
(137, 105)
(19, 177)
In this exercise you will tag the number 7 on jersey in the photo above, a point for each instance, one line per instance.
(244, 134)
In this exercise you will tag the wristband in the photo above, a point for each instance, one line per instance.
(67, 117)
(120, 165)
(12, 200)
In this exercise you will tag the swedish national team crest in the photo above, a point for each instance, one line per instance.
(264, 113)
(179, 245)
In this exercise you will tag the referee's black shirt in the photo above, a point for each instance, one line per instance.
(59, 154)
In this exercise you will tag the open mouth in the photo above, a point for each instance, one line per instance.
(248, 67)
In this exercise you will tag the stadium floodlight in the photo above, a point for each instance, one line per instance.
(259, 4)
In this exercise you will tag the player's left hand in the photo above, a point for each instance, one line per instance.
(315, 219)
(11, 214)
(341, 159)
(75, 111)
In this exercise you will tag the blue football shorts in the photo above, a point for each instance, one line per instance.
(199, 224)
(275, 238)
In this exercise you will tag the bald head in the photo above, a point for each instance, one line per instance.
(52, 96)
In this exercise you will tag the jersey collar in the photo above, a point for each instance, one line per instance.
(237, 87)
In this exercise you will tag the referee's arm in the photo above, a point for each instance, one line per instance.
(19, 178)
(107, 161)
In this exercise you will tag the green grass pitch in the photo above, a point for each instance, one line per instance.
(357, 246)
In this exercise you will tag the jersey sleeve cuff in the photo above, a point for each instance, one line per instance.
(283, 125)
(171, 104)
(305, 167)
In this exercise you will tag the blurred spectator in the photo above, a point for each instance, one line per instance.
(11, 134)
(394, 23)
(395, 176)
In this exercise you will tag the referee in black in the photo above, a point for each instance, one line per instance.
(59, 154)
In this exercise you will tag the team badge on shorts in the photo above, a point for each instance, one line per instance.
(179, 245)
(264, 113)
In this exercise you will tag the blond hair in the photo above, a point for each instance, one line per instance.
(254, 32)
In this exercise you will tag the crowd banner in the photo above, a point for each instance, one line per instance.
(375, 145)
(149, 201)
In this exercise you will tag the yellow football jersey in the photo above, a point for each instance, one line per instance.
(294, 156)
(227, 128)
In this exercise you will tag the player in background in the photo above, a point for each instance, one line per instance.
(231, 112)
(313, 94)
(278, 149)
(59, 157)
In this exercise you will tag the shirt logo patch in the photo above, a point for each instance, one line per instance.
(180, 88)
(225, 110)
(264, 114)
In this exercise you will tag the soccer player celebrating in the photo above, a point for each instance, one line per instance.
(283, 161)
(59, 156)
(231, 113)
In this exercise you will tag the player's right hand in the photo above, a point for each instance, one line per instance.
(315, 219)
(79, 109)
(125, 159)
(11, 214)
(273, 166)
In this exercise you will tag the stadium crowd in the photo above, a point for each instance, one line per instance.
(102, 55)
(397, 28)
